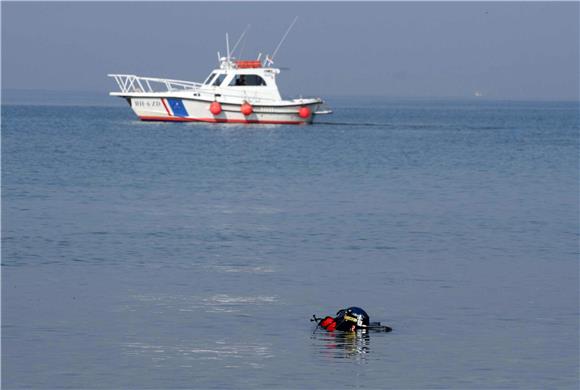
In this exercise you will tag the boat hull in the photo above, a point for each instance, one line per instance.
(173, 109)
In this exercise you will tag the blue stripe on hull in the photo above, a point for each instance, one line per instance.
(177, 107)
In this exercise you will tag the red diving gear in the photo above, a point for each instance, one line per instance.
(329, 324)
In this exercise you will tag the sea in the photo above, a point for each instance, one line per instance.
(193, 256)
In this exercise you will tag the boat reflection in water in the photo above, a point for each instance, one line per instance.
(343, 345)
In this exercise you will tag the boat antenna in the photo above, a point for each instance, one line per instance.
(283, 38)
(240, 38)
(228, 47)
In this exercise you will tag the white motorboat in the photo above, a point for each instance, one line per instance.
(239, 91)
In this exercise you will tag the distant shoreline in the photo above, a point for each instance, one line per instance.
(57, 98)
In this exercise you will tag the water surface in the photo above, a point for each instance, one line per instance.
(184, 255)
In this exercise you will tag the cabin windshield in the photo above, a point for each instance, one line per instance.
(209, 78)
(218, 80)
(247, 80)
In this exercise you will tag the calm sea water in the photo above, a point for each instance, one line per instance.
(152, 255)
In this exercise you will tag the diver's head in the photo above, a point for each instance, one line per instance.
(353, 316)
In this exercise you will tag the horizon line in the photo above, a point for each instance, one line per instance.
(101, 93)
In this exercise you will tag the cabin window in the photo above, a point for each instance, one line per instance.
(209, 78)
(247, 80)
(219, 80)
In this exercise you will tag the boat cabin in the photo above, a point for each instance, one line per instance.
(243, 78)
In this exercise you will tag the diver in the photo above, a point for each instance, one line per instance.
(349, 320)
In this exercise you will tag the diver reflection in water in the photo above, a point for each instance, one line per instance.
(344, 345)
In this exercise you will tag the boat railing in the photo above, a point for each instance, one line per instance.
(131, 83)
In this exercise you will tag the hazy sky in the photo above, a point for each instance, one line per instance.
(505, 50)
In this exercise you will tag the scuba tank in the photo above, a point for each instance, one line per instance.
(328, 323)
(349, 320)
